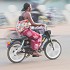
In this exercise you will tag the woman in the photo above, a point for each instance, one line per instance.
(36, 38)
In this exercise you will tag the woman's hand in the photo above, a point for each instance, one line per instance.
(43, 25)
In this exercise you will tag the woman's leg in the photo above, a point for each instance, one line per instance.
(35, 44)
(36, 39)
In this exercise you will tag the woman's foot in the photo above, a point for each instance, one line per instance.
(36, 54)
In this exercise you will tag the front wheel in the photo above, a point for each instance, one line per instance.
(52, 49)
(14, 52)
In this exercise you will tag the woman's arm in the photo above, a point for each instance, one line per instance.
(31, 20)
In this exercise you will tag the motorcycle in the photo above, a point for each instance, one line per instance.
(19, 48)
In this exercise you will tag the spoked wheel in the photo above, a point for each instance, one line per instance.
(52, 50)
(14, 52)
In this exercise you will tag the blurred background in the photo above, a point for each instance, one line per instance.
(54, 13)
(50, 12)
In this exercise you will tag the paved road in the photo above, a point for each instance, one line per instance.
(41, 63)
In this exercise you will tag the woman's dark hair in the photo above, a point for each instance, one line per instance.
(25, 7)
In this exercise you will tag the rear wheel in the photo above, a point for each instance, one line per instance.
(14, 52)
(52, 50)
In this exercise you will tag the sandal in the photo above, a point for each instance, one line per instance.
(36, 54)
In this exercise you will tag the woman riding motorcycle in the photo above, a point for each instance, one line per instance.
(36, 38)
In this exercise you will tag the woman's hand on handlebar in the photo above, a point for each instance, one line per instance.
(43, 25)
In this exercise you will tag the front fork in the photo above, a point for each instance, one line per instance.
(51, 44)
